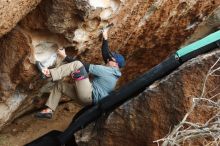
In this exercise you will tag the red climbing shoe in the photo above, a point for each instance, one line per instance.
(44, 114)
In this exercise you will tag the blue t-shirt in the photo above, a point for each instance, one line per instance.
(104, 81)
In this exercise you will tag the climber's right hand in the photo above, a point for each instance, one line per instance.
(61, 52)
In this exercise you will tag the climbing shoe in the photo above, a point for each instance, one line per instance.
(40, 67)
(44, 114)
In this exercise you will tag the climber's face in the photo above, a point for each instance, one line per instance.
(112, 63)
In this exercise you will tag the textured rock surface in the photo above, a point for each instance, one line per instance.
(150, 115)
(77, 21)
(13, 11)
(144, 31)
(16, 75)
(163, 27)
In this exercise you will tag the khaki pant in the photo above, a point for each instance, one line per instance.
(81, 90)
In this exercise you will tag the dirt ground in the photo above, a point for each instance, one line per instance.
(27, 128)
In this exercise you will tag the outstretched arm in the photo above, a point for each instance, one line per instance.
(62, 54)
(106, 54)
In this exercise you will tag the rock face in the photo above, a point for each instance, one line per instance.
(52, 25)
(151, 115)
(16, 74)
(145, 32)
(13, 11)
(160, 23)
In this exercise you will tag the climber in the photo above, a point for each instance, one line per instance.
(88, 93)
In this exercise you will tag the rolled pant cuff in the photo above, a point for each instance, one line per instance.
(55, 75)
(51, 107)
